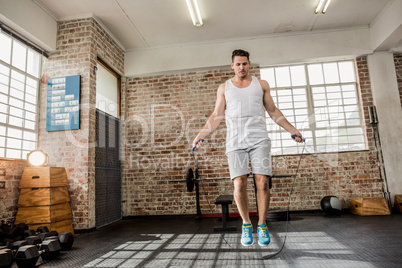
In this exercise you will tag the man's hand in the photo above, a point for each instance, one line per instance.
(197, 143)
(297, 136)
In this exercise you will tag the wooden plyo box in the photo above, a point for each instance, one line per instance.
(44, 199)
(43, 214)
(43, 196)
(369, 206)
(39, 177)
(398, 203)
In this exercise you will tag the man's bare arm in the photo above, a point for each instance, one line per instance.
(214, 119)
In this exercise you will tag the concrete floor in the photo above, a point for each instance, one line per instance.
(313, 240)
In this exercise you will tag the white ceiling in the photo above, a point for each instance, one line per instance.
(142, 24)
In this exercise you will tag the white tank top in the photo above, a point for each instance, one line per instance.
(245, 116)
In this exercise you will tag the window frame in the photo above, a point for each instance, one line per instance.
(118, 77)
(23, 128)
(312, 126)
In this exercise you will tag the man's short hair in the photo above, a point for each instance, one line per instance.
(241, 53)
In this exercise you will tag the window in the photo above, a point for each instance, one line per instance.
(107, 90)
(19, 86)
(321, 101)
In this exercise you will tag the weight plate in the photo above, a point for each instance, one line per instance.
(277, 215)
(190, 180)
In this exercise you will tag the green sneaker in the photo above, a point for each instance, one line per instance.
(246, 234)
(263, 235)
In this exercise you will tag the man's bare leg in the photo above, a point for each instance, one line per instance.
(241, 197)
(263, 197)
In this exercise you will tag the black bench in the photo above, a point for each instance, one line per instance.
(224, 201)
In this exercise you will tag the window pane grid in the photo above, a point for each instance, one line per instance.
(293, 104)
(321, 100)
(19, 87)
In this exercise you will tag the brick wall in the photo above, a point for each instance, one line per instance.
(79, 44)
(398, 68)
(10, 174)
(164, 113)
(173, 108)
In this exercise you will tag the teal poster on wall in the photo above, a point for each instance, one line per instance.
(63, 103)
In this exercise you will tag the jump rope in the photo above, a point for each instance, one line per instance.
(271, 255)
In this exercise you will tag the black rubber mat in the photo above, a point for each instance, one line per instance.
(314, 240)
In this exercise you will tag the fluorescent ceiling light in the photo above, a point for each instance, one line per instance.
(194, 12)
(320, 5)
(326, 6)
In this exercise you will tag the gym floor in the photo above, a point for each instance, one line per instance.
(313, 240)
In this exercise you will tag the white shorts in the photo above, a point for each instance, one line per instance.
(259, 157)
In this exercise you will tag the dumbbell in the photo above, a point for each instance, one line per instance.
(42, 232)
(45, 235)
(6, 258)
(23, 254)
(27, 255)
(2, 235)
(14, 246)
(4, 226)
(10, 233)
(14, 231)
(66, 239)
(48, 249)
(21, 228)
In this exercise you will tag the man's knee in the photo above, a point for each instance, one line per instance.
(240, 183)
(263, 186)
(262, 182)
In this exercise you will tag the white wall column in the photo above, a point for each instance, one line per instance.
(386, 99)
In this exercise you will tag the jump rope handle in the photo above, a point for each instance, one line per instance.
(294, 137)
(196, 146)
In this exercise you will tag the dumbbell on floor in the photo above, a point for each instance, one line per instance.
(48, 249)
(23, 254)
(26, 252)
(26, 256)
(6, 258)
(13, 247)
(66, 239)
(10, 233)
(42, 232)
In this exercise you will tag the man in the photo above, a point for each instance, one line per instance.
(242, 100)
